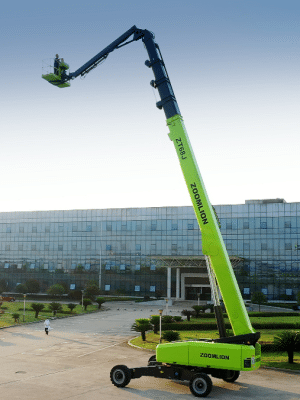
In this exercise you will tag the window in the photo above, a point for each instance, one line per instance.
(138, 247)
(60, 228)
(20, 247)
(108, 226)
(122, 267)
(246, 246)
(89, 228)
(8, 229)
(46, 247)
(32, 266)
(7, 247)
(124, 226)
(74, 246)
(152, 267)
(246, 225)
(108, 247)
(137, 288)
(153, 226)
(288, 246)
(107, 267)
(137, 267)
(34, 229)
(246, 290)
(152, 288)
(190, 226)
(138, 226)
(87, 267)
(228, 225)
(107, 288)
(264, 291)
(264, 246)
(174, 247)
(47, 229)
(289, 292)
(74, 228)
(21, 229)
(72, 286)
(6, 265)
(287, 224)
(60, 247)
(33, 247)
(174, 226)
(190, 246)
(263, 225)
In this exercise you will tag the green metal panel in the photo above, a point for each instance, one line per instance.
(210, 355)
(212, 241)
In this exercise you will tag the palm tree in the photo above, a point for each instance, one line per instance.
(37, 307)
(55, 307)
(288, 341)
(142, 325)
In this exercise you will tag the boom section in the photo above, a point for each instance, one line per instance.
(212, 241)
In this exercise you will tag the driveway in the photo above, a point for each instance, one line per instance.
(74, 361)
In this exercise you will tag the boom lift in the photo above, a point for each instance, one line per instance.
(189, 360)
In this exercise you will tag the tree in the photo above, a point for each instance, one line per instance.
(198, 309)
(288, 341)
(91, 289)
(32, 286)
(86, 302)
(56, 290)
(187, 313)
(259, 298)
(55, 307)
(3, 285)
(142, 325)
(154, 320)
(100, 301)
(37, 307)
(22, 288)
(71, 307)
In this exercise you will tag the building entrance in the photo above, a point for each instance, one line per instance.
(191, 293)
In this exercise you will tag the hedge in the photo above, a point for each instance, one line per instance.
(209, 326)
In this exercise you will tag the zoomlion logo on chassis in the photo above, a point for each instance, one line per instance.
(217, 356)
(199, 203)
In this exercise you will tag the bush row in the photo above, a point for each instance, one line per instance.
(212, 326)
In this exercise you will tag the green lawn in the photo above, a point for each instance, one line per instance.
(275, 360)
(18, 307)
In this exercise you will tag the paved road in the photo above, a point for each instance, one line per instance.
(74, 362)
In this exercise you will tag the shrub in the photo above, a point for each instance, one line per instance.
(71, 306)
(55, 307)
(21, 288)
(16, 316)
(171, 336)
(32, 286)
(197, 310)
(100, 301)
(142, 325)
(177, 318)
(187, 314)
(154, 320)
(86, 303)
(75, 294)
(91, 290)
(166, 319)
(56, 290)
(37, 307)
(288, 341)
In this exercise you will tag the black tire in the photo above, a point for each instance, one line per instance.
(200, 385)
(120, 375)
(231, 376)
(152, 360)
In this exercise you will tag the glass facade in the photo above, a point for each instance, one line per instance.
(128, 250)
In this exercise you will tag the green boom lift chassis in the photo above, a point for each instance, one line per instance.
(188, 360)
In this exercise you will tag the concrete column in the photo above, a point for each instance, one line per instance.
(177, 283)
(169, 283)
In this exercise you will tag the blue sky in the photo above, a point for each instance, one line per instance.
(102, 143)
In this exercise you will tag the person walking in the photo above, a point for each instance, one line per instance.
(47, 326)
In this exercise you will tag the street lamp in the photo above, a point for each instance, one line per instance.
(82, 291)
(24, 307)
(160, 314)
(167, 309)
(198, 294)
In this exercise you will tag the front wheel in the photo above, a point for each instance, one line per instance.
(200, 385)
(231, 376)
(120, 375)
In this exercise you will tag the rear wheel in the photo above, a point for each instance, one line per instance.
(120, 375)
(200, 385)
(231, 376)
